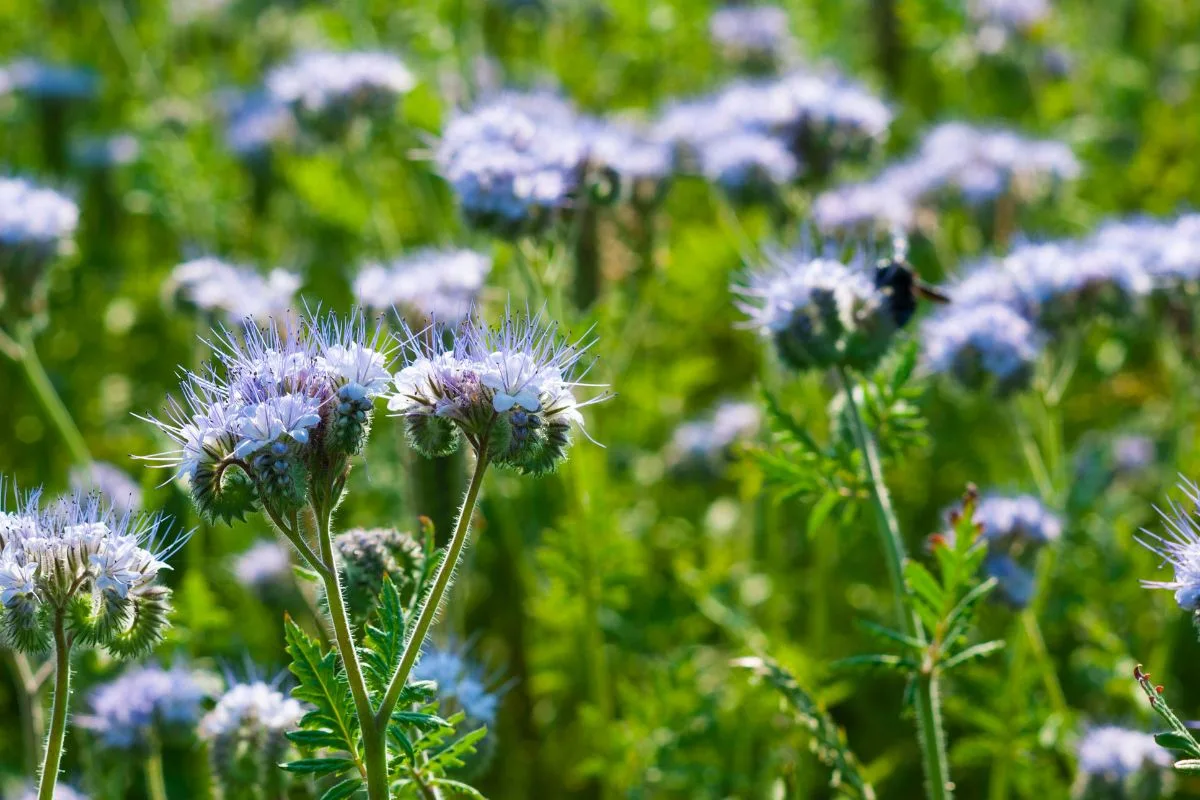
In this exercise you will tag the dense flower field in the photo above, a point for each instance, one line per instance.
(599, 398)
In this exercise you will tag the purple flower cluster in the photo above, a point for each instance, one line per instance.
(955, 160)
(428, 284)
(754, 36)
(148, 698)
(235, 292)
(704, 445)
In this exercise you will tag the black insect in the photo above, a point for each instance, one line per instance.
(895, 278)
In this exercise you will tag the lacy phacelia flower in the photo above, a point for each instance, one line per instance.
(427, 285)
(819, 118)
(35, 225)
(461, 684)
(329, 89)
(1179, 548)
(114, 485)
(819, 311)
(515, 162)
(980, 345)
(48, 81)
(367, 555)
(255, 122)
(749, 167)
(235, 292)
(246, 730)
(1013, 528)
(510, 390)
(97, 568)
(148, 700)
(754, 36)
(955, 160)
(1132, 454)
(274, 411)
(705, 446)
(1113, 754)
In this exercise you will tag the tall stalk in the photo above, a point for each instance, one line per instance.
(156, 784)
(58, 715)
(931, 736)
(433, 600)
(48, 397)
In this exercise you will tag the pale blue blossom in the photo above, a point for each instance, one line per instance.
(1179, 548)
(318, 82)
(147, 700)
(1113, 753)
(435, 284)
(978, 344)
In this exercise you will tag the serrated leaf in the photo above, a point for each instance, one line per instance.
(787, 424)
(923, 584)
(833, 751)
(1177, 741)
(342, 790)
(320, 766)
(385, 638)
(959, 619)
(316, 738)
(321, 682)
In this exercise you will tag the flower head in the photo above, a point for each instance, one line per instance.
(273, 408)
(510, 388)
(367, 555)
(981, 344)
(78, 554)
(1113, 753)
(245, 731)
(48, 81)
(705, 445)
(1180, 548)
(818, 310)
(748, 166)
(147, 698)
(255, 122)
(237, 293)
(265, 564)
(328, 89)
(426, 285)
(461, 683)
(756, 36)
(35, 226)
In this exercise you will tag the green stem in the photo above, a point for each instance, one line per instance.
(58, 715)
(156, 784)
(931, 736)
(374, 746)
(30, 708)
(49, 398)
(433, 600)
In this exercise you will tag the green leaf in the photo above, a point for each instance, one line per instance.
(788, 424)
(385, 639)
(890, 635)
(832, 750)
(973, 653)
(320, 766)
(342, 790)
(458, 788)
(875, 661)
(1189, 765)
(923, 584)
(305, 574)
(820, 512)
(316, 738)
(959, 619)
(1176, 741)
(322, 683)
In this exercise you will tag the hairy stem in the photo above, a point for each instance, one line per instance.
(48, 397)
(374, 747)
(932, 737)
(441, 582)
(58, 715)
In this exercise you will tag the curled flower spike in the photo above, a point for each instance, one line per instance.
(509, 389)
(1180, 548)
(77, 558)
(819, 311)
(275, 410)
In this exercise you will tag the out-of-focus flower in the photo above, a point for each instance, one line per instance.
(1132, 454)
(748, 166)
(971, 164)
(705, 445)
(48, 81)
(328, 89)
(104, 152)
(754, 36)
(984, 344)
(265, 565)
(255, 122)
(246, 730)
(1179, 548)
(461, 683)
(819, 311)
(113, 484)
(429, 284)
(61, 792)
(35, 226)
(237, 293)
(510, 389)
(1113, 753)
(148, 698)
